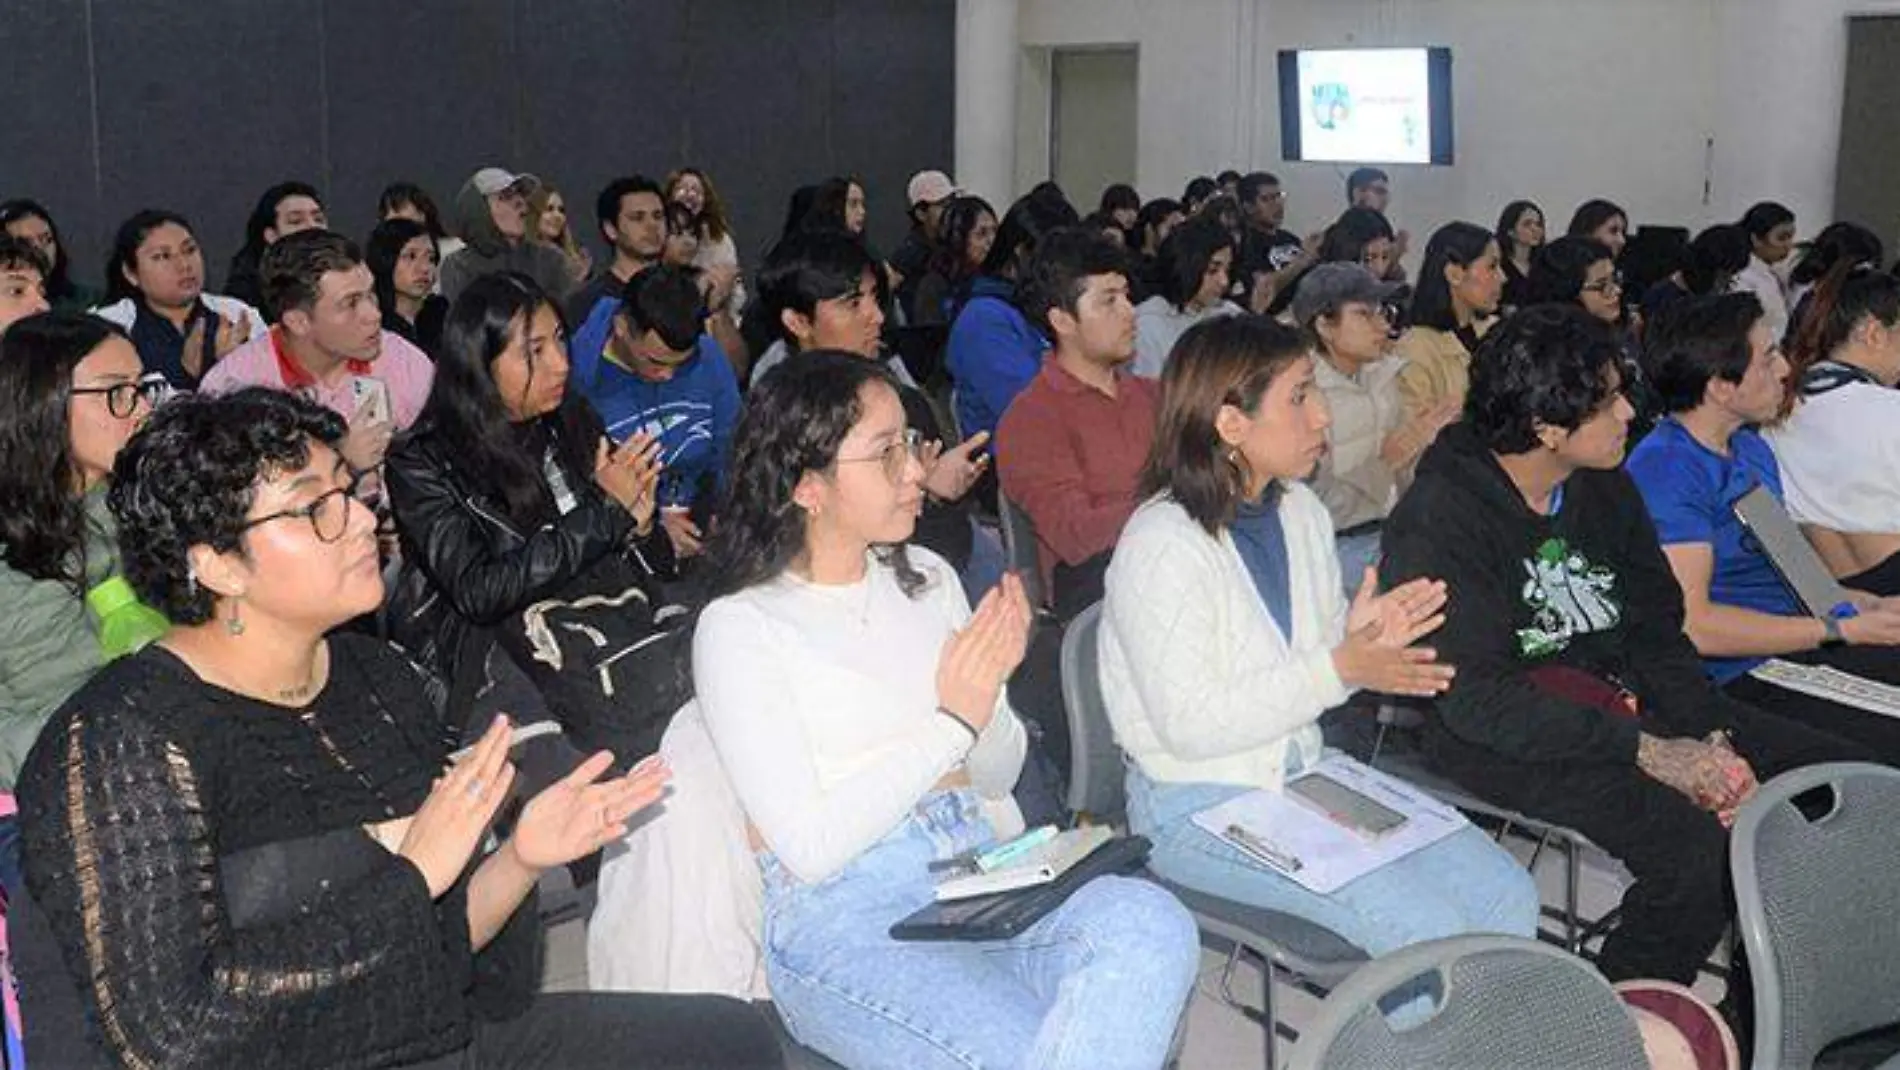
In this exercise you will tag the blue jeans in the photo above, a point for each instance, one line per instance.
(1098, 983)
(1355, 553)
(1461, 884)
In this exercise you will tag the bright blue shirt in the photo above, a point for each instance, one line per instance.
(1261, 540)
(692, 414)
(993, 353)
(1691, 493)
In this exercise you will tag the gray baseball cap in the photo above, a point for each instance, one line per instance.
(1328, 287)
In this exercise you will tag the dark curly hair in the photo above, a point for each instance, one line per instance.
(1547, 364)
(1559, 268)
(1184, 257)
(43, 527)
(958, 223)
(188, 479)
(795, 420)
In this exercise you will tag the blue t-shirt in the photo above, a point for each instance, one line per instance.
(993, 353)
(1691, 493)
(1261, 540)
(692, 414)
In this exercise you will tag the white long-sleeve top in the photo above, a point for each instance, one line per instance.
(1200, 683)
(822, 704)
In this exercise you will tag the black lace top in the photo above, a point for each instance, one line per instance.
(199, 857)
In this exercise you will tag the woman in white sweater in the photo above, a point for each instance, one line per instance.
(1225, 635)
(858, 707)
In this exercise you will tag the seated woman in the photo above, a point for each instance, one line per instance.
(402, 258)
(507, 497)
(858, 706)
(1193, 271)
(156, 283)
(1839, 447)
(70, 396)
(1459, 287)
(1225, 636)
(968, 229)
(1720, 374)
(1342, 309)
(250, 841)
(1583, 272)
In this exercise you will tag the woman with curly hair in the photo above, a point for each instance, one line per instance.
(718, 252)
(251, 840)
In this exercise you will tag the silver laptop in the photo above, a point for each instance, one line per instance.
(1789, 551)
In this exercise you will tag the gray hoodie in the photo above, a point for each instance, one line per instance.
(487, 252)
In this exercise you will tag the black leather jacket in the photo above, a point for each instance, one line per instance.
(466, 566)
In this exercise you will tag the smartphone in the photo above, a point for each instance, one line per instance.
(1348, 807)
(371, 396)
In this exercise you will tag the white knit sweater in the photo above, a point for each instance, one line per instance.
(1201, 685)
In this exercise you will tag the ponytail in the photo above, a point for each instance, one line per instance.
(1828, 315)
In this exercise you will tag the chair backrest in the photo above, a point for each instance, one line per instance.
(1499, 1001)
(1019, 544)
(1096, 785)
(1818, 900)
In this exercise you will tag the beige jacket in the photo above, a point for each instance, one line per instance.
(1436, 367)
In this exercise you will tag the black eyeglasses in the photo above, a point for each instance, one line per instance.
(122, 399)
(329, 514)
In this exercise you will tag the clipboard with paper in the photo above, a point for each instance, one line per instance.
(1294, 839)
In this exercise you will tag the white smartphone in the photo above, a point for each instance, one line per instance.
(372, 400)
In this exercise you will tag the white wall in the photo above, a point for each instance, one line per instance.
(1555, 100)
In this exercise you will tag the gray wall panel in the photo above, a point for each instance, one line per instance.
(201, 105)
(46, 141)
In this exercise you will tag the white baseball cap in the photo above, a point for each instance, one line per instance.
(492, 180)
(929, 187)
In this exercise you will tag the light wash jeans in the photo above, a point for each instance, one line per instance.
(1098, 983)
(1355, 553)
(1461, 884)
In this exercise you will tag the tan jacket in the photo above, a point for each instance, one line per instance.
(1436, 367)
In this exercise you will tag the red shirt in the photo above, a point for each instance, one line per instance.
(1070, 456)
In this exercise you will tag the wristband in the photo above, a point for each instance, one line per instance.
(961, 723)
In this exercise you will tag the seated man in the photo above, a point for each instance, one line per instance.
(1578, 699)
(1839, 449)
(1070, 449)
(820, 290)
(648, 366)
(329, 344)
(1718, 372)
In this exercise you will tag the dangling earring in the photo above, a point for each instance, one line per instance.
(191, 580)
(235, 624)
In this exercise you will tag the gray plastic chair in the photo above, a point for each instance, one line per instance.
(1019, 545)
(1818, 902)
(1502, 1003)
(1294, 946)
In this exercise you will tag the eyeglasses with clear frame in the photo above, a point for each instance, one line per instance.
(895, 456)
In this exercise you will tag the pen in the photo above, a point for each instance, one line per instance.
(997, 857)
(1284, 861)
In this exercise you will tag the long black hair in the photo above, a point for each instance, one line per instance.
(43, 527)
(385, 248)
(1346, 240)
(465, 410)
(1507, 225)
(959, 220)
(125, 247)
(59, 282)
(794, 422)
(263, 217)
(1560, 268)
(1454, 243)
(1593, 214)
(1837, 242)
(1021, 229)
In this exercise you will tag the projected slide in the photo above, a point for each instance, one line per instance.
(1365, 105)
